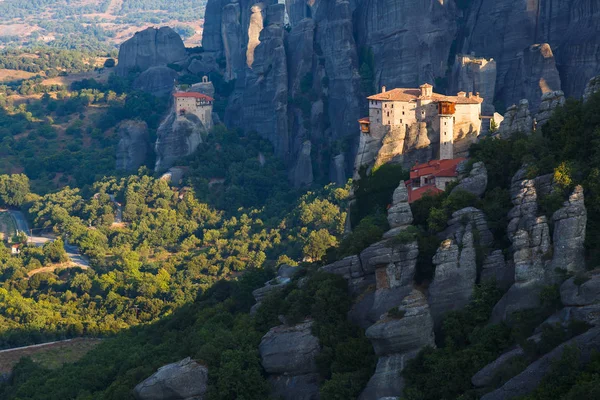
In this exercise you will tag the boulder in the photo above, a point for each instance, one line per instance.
(150, 48)
(289, 350)
(177, 136)
(183, 380)
(475, 182)
(528, 380)
(283, 278)
(134, 145)
(460, 221)
(158, 81)
(295, 387)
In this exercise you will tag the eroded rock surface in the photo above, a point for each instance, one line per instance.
(516, 119)
(569, 234)
(159, 81)
(475, 182)
(550, 102)
(591, 88)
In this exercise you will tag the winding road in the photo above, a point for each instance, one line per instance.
(72, 251)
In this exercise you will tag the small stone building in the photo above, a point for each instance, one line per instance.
(195, 103)
(432, 177)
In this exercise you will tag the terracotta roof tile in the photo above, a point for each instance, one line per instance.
(402, 94)
(194, 95)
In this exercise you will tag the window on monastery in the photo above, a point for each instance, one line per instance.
(388, 113)
(400, 121)
(402, 112)
(445, 123)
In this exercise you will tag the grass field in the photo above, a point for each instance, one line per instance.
(51, 356)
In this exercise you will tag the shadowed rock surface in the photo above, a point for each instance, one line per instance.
(158, 81)
(134, 145)
(177, 136)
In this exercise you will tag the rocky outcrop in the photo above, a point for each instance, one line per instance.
(516, 119)
(288, 354)
(150, 48)
(397, 338)
(476, 180)
(455, 276)
(159, 81)
(232, 39)
(404, 328)
(177, 136)
(392, 145)
(399, 214)
(532, 74)
(525, 382)
(475, 75)
(183, 380)
(134, 145)
(302, 173)
(569, 234)
(260, 100)
(550, 102)
(468, 217)
(591, 88)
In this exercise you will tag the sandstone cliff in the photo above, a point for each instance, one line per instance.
(134, 145)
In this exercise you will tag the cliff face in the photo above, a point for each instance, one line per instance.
(177, 136)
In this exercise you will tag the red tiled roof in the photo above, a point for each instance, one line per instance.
(194, 95)
(365, 120)
(416, 194)
(403, 94)
(443, 168)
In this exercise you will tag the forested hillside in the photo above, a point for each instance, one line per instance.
(195, 266)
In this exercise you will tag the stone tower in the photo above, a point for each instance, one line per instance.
(446, 111)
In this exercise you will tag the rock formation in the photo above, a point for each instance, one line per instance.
(530, 378)
(569, 234)
(476, 75)
(495, 269)
(150, 48)
(302, 173)
(476, 180)
(580, 296)
(288, 354)
(516, 119)
(177, 136)
(532, 74)
(399, 214)
(159, 81)
(397, 338)
(183, 380)
(134, 146)
(550, 101)
(591, 88)
(455, 276)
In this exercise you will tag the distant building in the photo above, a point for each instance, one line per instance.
(424, 112)
(198, 104)
(432, 177)
(15, 249)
